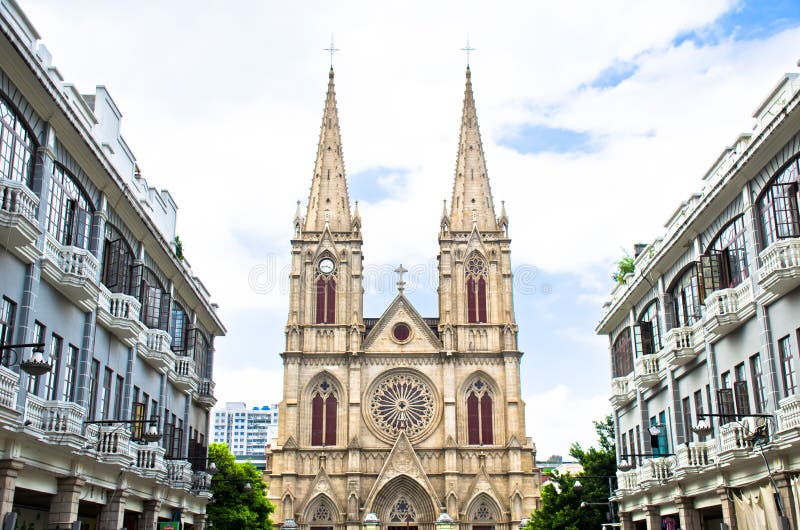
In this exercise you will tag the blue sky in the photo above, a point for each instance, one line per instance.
(597, 120)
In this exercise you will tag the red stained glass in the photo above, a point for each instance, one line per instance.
(471, 316)
(330, 420)
(481, 300)
(401, 332)
(320, 301)
(330, 295)
(316, 420)
(486, 420)
(473, 429)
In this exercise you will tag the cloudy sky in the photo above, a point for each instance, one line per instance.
(597, 118)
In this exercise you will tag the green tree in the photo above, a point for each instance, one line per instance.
(561, 500)
(233, 507)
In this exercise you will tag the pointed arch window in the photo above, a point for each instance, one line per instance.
(326, 292)
(324, 410)
(476, 272)
(480, 427)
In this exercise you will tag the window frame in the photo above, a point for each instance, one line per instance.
(20, 135)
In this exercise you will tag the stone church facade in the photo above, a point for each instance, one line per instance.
(401, 416)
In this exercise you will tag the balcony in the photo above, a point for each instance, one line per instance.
(61, 420)
(205, 393)
(71, 270)
(179, 474)
(114, 445)
(623, 391)
(695, 456)
(148, 459)
(647, 372)
(19, 226)
(654, 471)
(627, 481)
(154, 348)
(119, 313)
(681, 345)
(9, 388)
(184, 376)
(788, 416)
(780, 269)
(727, 309)
(734, 441)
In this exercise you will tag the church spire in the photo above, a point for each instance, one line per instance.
(328, 201)
(472, 203)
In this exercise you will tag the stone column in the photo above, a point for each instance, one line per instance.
(785, 492)
(690, 518)
(652, 515)
(199, 521)
(9, 470)
(728, 509)
(64, 506)
(112, 515)
(626, 521)
(150, 516)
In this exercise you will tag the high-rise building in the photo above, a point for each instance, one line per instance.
(703, 340)
(401, 417)
(114, 431)
(247, 432)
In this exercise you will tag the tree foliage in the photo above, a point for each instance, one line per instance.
(233, 507)
(561, 500)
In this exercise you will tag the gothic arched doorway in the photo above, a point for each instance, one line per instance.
(484, 513)
(404, 504)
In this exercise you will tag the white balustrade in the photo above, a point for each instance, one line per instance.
(148, 456)
(780, 256)
(119, 305)
(679, 338)
(659, 469)
(9, 387)
(647, 365)
(179, 473)
(733, 436)
(206, 388)
(788, 413)
(695, 454)
(70, 260)
(627, 480)
(16, 198)
(54, 416)
(184, 366)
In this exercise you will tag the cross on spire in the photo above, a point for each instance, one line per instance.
(468, 49)
(331, 49)
(401, 285)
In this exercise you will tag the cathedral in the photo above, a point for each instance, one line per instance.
(399, 419)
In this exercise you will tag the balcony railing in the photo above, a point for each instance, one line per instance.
(623, 391)
(788, 414)
(61, 419)
(728, 309)
(780, 268)
(205, 392)
(656, 470)
(647, 371)
(184, 375)
(148, 459)
(682, 344)
(9, 389)
(695, 455)
(734, 439)
(628, 480)
(154, 349)
(19, 226)
(119, 313)
(179, 474)
(114, 445)
(71, 270)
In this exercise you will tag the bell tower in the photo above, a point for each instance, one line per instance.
(326, 295)
(476, 310)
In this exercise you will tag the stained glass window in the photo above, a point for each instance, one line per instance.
(476, 271)
(402, 402)
(402, 512)
(324, 408)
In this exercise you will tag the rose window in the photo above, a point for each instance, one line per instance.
(475, 266)
(401, 402)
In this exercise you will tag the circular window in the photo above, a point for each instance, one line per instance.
(401, 332)
(401, 402)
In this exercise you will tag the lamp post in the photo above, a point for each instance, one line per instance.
(36, 364)
(577, 486)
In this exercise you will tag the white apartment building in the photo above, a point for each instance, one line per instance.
(246, 431)
(709, 323)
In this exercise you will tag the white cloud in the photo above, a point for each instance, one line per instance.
(251, 385)
(560, 416)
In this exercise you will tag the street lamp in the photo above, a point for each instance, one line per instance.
(577, 486)
(36, 364)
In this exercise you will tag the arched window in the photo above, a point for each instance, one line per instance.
(777, 207)
(324, 407)
(117, 261)
(622, 354)
(178, 327)
(480, 428)
(686, 299)
(326, 292)
(475, 270)
(154, 298)
(648, 330)
(17, 147)
(69, 218)
(724, 265)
